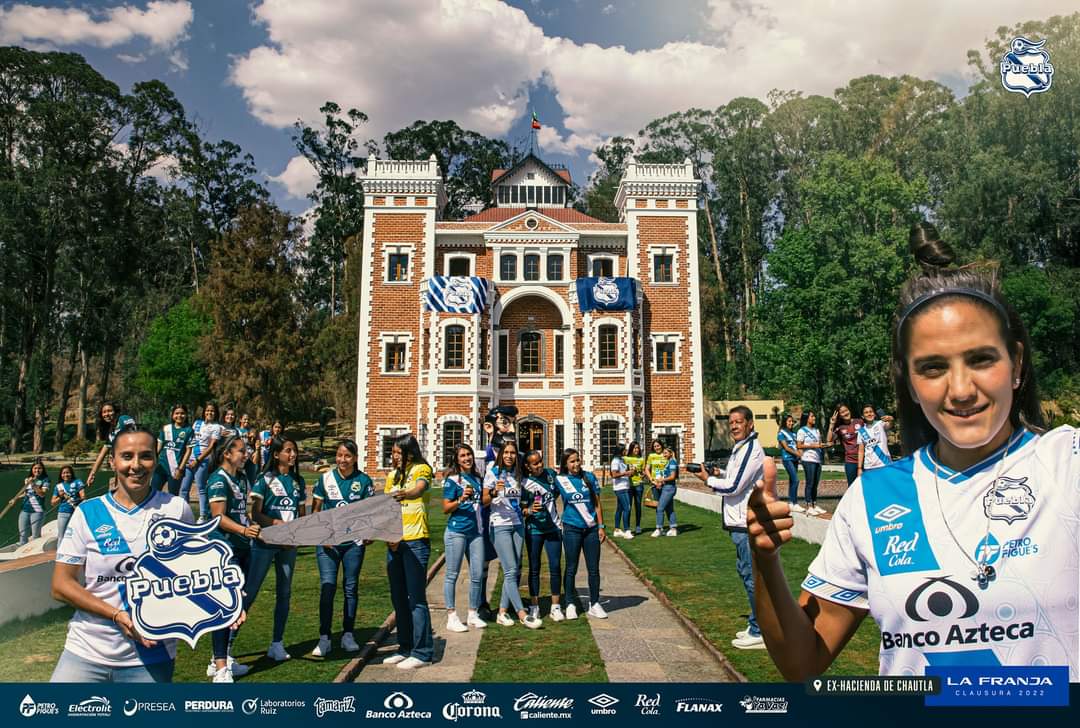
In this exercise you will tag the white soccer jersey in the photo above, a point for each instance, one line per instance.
(889, 550)
(875, 442)
(106, 539)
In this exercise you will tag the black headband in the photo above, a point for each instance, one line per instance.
(939, 293)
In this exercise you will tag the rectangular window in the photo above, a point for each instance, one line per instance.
(453, 434)
(609, 440)
(454, 348)
(459, 266)
(579, 348)
(555, 267)
(504, 353)
(532, 267)
(603, 267)
(532, 193)
(608, 347)
(665, 356)
(579, 436)
(389, 434)
(663, 268)
(547, 195)
(514, 194)
(560, 443)
(508, 266)
(395, 356)
(483, 349)
(397, 267)
(560, 195)
(635, 349)
(559, 353)
(531, 341)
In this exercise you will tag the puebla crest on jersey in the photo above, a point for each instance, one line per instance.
(606, 290)
(1008, 499)
(184, 585)
(458, 291)
(1026, 68)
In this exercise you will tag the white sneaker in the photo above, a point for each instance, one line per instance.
(596, 611)
(411, 663)
(277, 652)
(657, 533)
(749, 642)
(628, 536)
(475, 621)
(348, 643)
(815, 511)
(504, 620)
(556, 613)
(223, 675)
(532, 622)
(571, 611)
(323, 648)
(796, 508)
(742, 634)
(672, 532)
(238, 669)
(534, 611)
(453, 623)
(617, 533)
(211, 668)
(395, 659)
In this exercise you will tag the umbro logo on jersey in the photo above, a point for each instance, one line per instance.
(103, 529)
(891, 512)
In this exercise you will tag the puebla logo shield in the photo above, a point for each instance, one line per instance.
(1008, 499)
(184, 585)
(1026, 68)
(458, 291)
(606, 291)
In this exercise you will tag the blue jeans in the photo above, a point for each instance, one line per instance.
(202, 474)
(550, 542)
(71, 668)
(220, 640)
(666, 504)
(185, 484)
(576, 540)
(457, 546)
(813, 476)
(635, 496)
(746, 572)
(622, 509)
(406, 566)
(350, 557)
(29, 525)
(792, 468)
(284, 560)
(851, 470)
(62, 519)
(509, 542)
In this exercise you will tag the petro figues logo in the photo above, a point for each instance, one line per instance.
(1026, 68)
(184, 586)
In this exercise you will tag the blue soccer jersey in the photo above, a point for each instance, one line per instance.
(34, 503)
(577, 493)
(907, 543)
(174, 440)
(875, 442)
(278, 496)
(68, 492)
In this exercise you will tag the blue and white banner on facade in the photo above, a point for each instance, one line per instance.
(606, 294)
(456, 294)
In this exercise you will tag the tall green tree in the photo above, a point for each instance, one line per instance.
(171, 365)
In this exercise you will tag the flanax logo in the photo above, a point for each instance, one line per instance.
(1026, 68)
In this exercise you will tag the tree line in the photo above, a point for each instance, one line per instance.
(146, 263)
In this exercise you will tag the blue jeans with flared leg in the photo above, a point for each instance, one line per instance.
(406, 567)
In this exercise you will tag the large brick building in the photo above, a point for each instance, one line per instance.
(579, 380)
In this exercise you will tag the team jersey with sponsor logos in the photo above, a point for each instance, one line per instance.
(505, 508)
(173, 441)
(413, 511)
(467, 518)
(889, 550)
(577, 492)
(34, 503)
(205, 434)
(636, 464)
(654, 465)
(875, 442)
(106, 539)
(809, 436)
(279, 496)
(335, 490)
(68, 492)
(123, 422)
(232, 490)
(543, 488)
(787, 437)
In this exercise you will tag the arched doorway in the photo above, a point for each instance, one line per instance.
(532, 435)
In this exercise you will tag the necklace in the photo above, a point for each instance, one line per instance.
(984, 573)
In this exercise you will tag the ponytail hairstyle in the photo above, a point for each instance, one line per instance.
(411, 455)
(217, 456)
(936, 282)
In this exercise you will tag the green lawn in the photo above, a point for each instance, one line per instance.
(696, 570)
(32, 646)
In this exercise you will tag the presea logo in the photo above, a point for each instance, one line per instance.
(96, 706)
(530, 705)
(28, 708)
(763, 705)
(334, 705)
(1026, 68)
(472, 705)
(698, 705)
(603, 703)
(131, 707)
(398, 705)
(648, 705)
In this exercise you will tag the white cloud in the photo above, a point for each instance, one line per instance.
(608, 9)
(474, 60)
(164, 23)
(298, 178)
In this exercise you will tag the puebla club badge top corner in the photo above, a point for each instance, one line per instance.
(184, 585)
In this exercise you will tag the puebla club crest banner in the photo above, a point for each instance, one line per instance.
(456, 294)
(606, 294)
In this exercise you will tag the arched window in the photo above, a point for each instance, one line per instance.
(453, 434)
(608, 347)
(454, 347)
(531, 346)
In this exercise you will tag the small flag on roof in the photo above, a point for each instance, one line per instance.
(535, 121)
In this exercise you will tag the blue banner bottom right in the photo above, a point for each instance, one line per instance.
(477, 705)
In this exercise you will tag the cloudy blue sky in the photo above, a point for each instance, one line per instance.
(590, 68)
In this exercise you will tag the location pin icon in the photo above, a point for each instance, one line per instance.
(817, 686)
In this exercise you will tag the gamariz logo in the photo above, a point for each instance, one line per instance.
(698, 705)
(531, 705)
(472, 705)
(398, 705)
(648, 704)
(334, 705)
(28, 707)
(941, 599)
(752, 704)
(603, 704)
(96, 706)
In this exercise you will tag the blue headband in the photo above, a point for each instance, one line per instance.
(939, 293)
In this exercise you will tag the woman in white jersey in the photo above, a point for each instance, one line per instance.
(808, 442)
(873, 439)
(965, 551)
(104, 535)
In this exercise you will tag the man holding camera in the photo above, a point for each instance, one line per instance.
(745, 468)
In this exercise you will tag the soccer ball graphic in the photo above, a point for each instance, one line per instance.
(163, 536)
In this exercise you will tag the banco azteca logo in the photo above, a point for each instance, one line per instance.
(940, 597)
(398, 701)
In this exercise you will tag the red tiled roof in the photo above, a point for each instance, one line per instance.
(565, 174)
(496, 173)
(559, 214)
